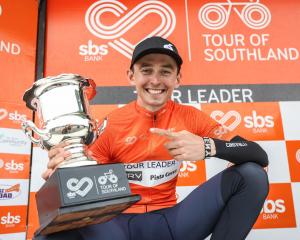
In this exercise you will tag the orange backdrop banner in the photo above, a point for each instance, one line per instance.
(222, 42)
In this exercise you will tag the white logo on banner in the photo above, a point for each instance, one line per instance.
(231, 116)
(0, 10)
(298, 155)
(245, 11)
(126, 22)
(74, 185)
(3, 113)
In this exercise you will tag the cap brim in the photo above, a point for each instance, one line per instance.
(166, 51)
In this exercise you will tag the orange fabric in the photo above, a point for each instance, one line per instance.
(127, 139)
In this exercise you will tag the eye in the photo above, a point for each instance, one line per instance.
(165, 72)
(146, 71)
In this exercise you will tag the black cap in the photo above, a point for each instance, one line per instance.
(155, 45)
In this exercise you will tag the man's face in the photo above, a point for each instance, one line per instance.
(155, 76)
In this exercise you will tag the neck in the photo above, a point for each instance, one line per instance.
(150, 108)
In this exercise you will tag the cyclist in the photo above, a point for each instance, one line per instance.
(152, 135)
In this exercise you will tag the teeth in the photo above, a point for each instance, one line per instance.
(155, 91)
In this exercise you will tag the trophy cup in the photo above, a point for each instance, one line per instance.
(80, 192)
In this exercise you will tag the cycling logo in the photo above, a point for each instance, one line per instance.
(115, 32)
(253, 13)
(79, 187)
(110, 176)
(109, 183)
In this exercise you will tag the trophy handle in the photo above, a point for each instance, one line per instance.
(28, 126)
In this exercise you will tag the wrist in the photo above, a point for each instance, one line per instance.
(209, 147)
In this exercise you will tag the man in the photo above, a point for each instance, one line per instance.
(152, 135)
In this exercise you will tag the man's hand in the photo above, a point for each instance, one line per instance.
(183, 145)
(57, 155)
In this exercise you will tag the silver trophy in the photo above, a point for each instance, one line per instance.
(63, 111)
(75, 195)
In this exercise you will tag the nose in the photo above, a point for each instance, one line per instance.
(155, 79)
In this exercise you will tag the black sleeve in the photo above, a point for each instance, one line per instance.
(238, 150)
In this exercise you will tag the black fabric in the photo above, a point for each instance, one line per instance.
(244, 189)
(239, 150)
(156, 45)
(66, 235)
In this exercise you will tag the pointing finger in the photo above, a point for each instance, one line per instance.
(163, 132)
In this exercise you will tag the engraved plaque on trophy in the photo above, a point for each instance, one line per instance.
(80, 191)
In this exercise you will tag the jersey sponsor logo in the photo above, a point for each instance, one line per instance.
(8, 192)
(115, 33)
(135, 175)
(152, 173)
(236, 144)
(130, 140)
(278, 208)
(215, 15)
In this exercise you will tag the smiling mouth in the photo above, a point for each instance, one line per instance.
(155, 91)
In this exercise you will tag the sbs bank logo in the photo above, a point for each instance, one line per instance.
(272, 209)
(10, 219)
(232, 119)
(77, 187)
(115, 33)
(215, 15)
(13, 116)
(11, 166)
(186, 168)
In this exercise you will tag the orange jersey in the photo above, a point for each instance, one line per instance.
(151, 170)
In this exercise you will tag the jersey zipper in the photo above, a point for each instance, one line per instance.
(154, 120)
(151, 148)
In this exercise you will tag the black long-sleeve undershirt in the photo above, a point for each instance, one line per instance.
(238, 150)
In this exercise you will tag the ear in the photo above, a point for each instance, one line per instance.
(178, 79)
(130, 77)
